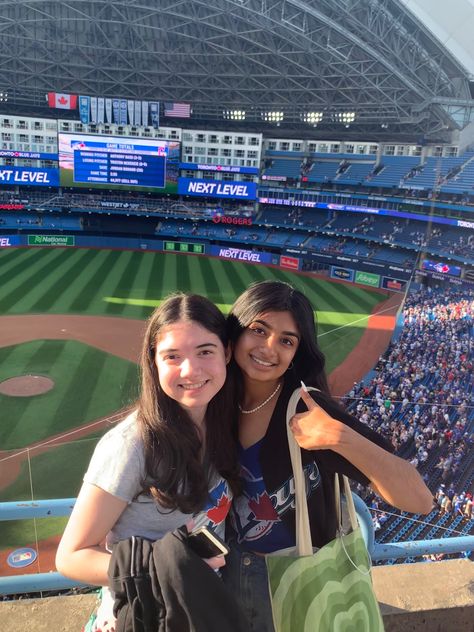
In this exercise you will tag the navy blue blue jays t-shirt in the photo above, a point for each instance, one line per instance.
(257, 515)
(263, 516)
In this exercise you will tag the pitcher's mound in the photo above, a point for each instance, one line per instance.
(26, 385)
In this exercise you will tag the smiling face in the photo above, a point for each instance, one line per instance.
(267, 346)
(191, 365)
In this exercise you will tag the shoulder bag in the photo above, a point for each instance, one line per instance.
(329, 590)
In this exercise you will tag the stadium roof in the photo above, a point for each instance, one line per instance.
(362, 67)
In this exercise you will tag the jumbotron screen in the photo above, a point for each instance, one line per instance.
(113, 162)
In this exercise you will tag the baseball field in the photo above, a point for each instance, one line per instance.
(73, 320)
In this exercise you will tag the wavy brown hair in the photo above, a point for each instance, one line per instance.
(177, 468)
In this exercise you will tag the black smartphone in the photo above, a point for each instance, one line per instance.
(206, 543)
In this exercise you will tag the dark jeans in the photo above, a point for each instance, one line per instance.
(245, 574)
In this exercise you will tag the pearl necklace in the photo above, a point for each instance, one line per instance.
(254, 410)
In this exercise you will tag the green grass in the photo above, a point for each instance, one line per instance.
(89, 384)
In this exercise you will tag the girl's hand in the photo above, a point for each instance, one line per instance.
(216, 562)
(315, 429)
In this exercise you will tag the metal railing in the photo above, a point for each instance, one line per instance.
(38, 582)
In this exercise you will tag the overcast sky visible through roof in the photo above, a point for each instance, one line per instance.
(452, 21)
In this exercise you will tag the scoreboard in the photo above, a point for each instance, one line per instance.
(116, 162)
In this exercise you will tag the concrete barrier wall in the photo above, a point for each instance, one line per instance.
(437, 597)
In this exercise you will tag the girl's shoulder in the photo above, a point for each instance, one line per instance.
(126, 432)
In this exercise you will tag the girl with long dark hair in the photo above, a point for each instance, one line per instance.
(169, 462)
(274, 343)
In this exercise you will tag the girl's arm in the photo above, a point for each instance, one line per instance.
(395, 480)
(81, 554)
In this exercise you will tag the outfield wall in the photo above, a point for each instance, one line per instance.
(351, 270)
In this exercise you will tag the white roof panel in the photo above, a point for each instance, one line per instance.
(452, 23)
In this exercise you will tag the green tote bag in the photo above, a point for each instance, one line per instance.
(329, 590)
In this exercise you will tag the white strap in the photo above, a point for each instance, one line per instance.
(304, 545)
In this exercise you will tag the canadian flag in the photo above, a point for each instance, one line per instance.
(62, 101)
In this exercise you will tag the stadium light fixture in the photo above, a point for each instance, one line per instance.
(273, 117)
(234, 115)
(3, 97)
(313, 118)
(345, 117)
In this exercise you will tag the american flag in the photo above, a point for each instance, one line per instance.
(178, 110)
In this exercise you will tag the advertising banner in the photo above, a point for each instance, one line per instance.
(196, 166)
(32, 176)
(238, 254)
(292, 263)
(367, 278)
(8, 241)
(342, 273)
(51, 240)
(441, 267)
(219, 189)
(33, 155)
(395, 285)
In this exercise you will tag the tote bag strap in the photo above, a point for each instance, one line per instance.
(304, 544)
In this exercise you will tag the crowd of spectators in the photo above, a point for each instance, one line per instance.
(421, 397)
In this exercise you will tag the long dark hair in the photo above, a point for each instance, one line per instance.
(176, 475)
(277, 296)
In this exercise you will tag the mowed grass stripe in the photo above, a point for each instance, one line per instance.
(106, 380)
(24, 262)
(211, 290)
(138, 284)
(14, 261)
(223, 281)
(183, 278)
(84, 277)
(244, 275)
(44, 296)
(154, 284)
(196, 275)
(169, 274)
(128, 265)
(33, 277)
(70, 410)
(88, 300)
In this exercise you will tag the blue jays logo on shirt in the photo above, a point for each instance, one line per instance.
(219, 502)
(256, 512)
